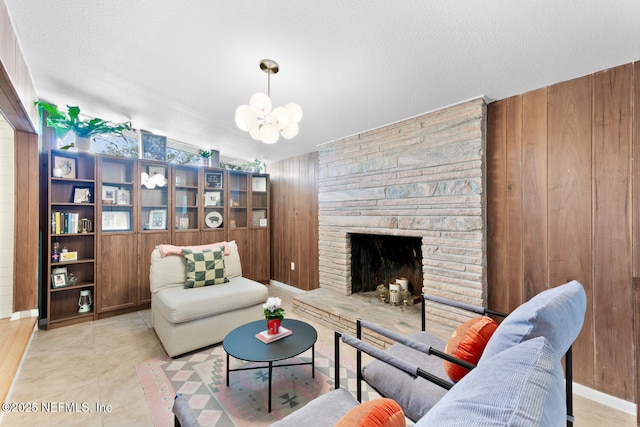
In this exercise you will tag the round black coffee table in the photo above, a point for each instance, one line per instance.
(242, 344)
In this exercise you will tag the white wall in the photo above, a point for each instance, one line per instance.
(7, 210)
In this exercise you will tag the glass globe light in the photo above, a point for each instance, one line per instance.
(269, 134)
(290, 131)
(281, 117)
(255, 133)
(295, 110)
(245, 118)
(260, 104)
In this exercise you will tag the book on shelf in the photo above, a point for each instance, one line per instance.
(64, 222)
(267, 338)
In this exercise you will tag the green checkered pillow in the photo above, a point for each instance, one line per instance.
(204, 268)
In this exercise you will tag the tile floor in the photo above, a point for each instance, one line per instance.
(94, 363)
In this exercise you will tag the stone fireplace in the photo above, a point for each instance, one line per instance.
(422, 177)
(379, 259)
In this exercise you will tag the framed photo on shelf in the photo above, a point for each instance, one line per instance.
(82, 194)
(116, 221)
(154, 147)
(123, 197)
(213, 198)
(64, 167)
(157, 219)
(109, 194)
(69, 256)
(213, 179)
(59, 280)
(259, 183)
(155, 170)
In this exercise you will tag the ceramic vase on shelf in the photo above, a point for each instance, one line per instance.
(273, 326)
(83, 144)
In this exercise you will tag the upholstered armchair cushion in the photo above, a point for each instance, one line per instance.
(522, 386)
(557, 314)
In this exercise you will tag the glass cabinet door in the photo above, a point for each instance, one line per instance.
(186, 198)
(154, 196)
(214, 183)
(116, 194)
(238, 200)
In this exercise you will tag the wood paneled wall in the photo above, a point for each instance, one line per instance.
(294, 221)
(560, 179)
(17, 94)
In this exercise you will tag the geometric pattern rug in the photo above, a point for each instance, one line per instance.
(201, 378)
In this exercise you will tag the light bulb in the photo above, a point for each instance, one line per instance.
(290, 131)
(281, 117)
(260, 104)
(245, 118)
(269, 134)
(295, 110)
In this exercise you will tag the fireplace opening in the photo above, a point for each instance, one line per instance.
(381, 259)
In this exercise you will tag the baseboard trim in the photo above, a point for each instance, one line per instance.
(606, 399)
(285, 286)
(24, 314)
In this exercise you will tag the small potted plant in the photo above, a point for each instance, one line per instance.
(209, 158)
(84, 129)
(274, 314)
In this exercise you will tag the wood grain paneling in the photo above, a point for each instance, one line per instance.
(575, 174)
(294, 224)
(514, 220)
(534, 192)
(26, 235)
(497, 236)
(569, 195)
(612, 94)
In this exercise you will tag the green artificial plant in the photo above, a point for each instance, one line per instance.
(69, 121)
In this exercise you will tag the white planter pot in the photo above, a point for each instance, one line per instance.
(83, 144)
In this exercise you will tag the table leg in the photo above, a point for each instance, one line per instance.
(227, 369)
(313, 361)
(270, 371)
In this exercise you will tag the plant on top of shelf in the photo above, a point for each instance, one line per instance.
(69, 121)
(205, 154)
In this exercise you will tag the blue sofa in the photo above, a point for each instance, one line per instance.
(519, 380)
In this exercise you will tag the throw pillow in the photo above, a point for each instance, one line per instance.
(467, 343)
(204, 268)
(374, 413)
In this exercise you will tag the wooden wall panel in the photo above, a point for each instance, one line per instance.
(612, 230)
(534, 192)
(514, 201)
(569, 195)
(497, 236)
(294, 230)
(570, 211)
(26, 235)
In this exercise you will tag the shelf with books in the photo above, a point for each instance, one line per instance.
(71, 239)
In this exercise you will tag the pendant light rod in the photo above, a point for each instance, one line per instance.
(269, 66)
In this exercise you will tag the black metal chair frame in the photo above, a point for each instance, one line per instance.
(414, 370)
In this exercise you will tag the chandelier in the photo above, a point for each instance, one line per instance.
(262, 123)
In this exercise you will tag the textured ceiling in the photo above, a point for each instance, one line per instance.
(180, 68)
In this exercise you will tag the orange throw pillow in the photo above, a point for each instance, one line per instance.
(467, 343)
(374, 413)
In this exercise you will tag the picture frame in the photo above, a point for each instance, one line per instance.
(116, 221)
(213, 198)
(153, 147)
(154, 170)
(213, 179)
(157, 219)
(259, 184)
(82, 194)
(109, 194)
(58, 280)
(123, 197)
(69, 256)
(68, 166)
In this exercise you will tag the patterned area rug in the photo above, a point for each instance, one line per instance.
(201, 378)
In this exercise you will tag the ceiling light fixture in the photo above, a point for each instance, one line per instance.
(260, 121)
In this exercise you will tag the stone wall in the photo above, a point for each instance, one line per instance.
(421, 177)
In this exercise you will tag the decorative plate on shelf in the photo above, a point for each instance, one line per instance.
(213, 219)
